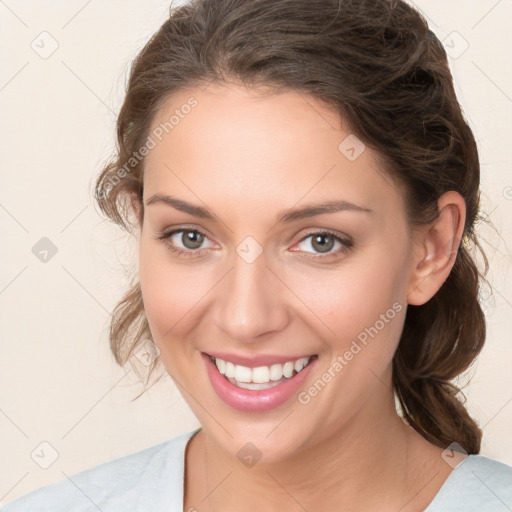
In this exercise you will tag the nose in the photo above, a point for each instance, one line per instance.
(251, 301)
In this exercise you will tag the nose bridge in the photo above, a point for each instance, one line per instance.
(251, 301)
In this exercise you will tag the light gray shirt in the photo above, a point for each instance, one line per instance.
(152, 479)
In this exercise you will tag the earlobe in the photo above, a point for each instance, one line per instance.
(437, 247)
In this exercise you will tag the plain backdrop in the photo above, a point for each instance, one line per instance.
(64, 403)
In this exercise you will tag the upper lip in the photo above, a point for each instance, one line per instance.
(255, 361)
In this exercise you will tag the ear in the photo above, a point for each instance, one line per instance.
(436, 248)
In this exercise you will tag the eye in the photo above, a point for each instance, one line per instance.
(190, 240)
(324, 241)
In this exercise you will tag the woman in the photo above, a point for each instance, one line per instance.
(304, 189)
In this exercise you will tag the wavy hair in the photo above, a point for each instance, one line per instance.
(378, 65)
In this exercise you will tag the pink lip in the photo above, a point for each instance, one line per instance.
(255, 361)
(248, 400)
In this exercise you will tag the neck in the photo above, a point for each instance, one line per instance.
(374, 462)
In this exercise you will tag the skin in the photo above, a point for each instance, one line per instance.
(246, 157)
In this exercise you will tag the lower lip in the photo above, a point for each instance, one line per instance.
(255, 400)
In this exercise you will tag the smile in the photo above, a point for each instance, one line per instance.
(261, 377)
(257, 388)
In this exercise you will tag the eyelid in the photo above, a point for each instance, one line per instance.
(324, 231)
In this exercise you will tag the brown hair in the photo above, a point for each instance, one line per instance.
(378, 65)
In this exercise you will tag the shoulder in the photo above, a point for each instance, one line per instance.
(477, 484)
(138, 481)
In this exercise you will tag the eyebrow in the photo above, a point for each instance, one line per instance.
(284, 216)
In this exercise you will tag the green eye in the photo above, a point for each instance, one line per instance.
(188, 242)
(191, 239)
(323, 242)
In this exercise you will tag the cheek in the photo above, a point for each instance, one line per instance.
(169, 291)
(363, 301)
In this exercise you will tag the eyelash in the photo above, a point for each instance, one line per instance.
(346, 244)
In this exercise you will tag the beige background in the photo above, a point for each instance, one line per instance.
(58, 383)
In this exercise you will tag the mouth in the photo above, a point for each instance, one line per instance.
(260, 377)
(257, 388)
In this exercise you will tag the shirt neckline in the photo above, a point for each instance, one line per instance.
(449, 480)
(184, 464)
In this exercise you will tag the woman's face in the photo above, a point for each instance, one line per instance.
(260, 284)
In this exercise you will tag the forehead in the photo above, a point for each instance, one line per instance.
(257, 149)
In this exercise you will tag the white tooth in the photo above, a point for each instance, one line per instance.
(253, 386)
(230, 370)
(299, 364)
(242, 374)
(276, 372)
(221, 365)
(288, 369)
(261, 374)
